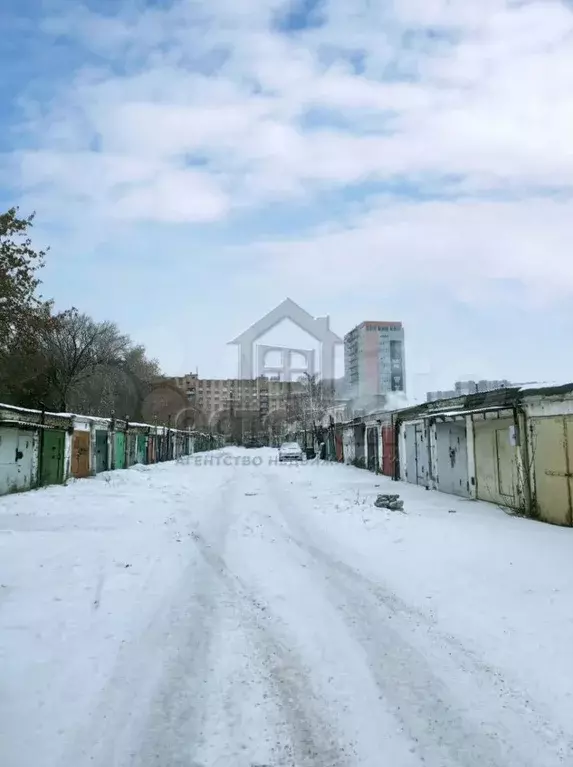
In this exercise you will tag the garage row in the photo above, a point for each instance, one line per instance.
(39, 449)
(512, 447)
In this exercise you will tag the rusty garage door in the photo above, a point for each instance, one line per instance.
(388, 451)
(81, 454)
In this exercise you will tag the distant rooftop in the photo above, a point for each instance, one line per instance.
(378, 322)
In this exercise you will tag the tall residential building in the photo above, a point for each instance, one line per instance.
(374, 359)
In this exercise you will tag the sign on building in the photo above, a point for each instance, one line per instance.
(396, 367)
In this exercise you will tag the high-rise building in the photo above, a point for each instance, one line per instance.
(374, 359)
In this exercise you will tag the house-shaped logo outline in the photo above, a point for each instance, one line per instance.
(317, 327)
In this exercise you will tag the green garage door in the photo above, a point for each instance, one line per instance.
(101, 451)
(119, 450)
(52, 472)
(141, 448)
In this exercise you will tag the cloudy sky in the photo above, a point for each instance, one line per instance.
(194, 163)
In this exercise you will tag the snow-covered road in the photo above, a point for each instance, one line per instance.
(237, 616)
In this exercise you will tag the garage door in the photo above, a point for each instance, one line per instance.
(495, 458)
(551, 451)
(452, 458)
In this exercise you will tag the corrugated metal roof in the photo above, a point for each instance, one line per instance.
(448, 413)
(27, 424)
(494, 397)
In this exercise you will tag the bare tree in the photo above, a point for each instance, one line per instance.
(75, 348)
(310, 403)
(121, 385)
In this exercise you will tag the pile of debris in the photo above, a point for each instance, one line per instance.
(391, 502)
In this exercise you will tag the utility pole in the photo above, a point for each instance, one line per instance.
(126, 443)
(169, 450)
(41, 445)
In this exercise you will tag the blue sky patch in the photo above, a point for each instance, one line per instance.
(300, 15)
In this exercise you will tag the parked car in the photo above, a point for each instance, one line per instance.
(253, 443)
(290, 451)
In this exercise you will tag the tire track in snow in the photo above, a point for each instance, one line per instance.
(172, 728)
(399, 641)
(115, 723)
(312, 741)
(155, 708)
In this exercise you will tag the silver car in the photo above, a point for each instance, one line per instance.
(290, 451)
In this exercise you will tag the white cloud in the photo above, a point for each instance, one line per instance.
(496, 105)
(464, 248)
(203, 113)
(498, 101)
(175, 196)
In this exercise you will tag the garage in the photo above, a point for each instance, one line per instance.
(80, 459)
(551, 449)
(415, 441)
(496, 459)
(52, 460)
(452, 458)
(17, 447)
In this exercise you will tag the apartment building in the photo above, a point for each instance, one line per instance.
(213, 395)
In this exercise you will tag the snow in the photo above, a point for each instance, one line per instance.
(539, 385)
(19, 409)
(99, 420)
(493, 409)
(94, 419)
(236, 614)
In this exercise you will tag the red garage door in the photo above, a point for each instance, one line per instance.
(388, 451)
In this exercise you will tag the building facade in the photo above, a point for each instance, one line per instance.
(374, 359)
(214, 395)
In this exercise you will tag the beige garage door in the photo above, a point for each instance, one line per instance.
(552, 457)
(496, 467)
